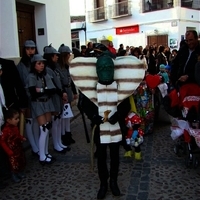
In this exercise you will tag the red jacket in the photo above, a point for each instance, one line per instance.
(10, 139)
(112, 50)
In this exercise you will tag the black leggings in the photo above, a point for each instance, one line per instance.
(102, 161)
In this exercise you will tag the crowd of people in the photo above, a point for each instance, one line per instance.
(40, 85)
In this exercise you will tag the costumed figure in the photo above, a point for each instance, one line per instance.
(31, 125)
(11, 142)
(106, 84)
(63, 61)
(41, 89)
(135, 134)
(51, 55)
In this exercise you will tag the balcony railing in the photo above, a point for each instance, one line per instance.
(120, 9)
(98, 14)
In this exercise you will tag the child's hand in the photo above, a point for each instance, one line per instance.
(24, 139)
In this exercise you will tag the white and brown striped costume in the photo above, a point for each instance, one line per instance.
(129, 72)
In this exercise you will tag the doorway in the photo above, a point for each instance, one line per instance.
(26, 24)
(158, 39)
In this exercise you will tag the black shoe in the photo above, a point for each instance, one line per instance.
(66, 139)
(102, 192)
(45, 162)
(61, 152)
(72, 141)
(35, 154)
(114, 188)
(51, 157)
(68, 148)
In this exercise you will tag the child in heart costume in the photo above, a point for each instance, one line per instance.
(106, 85)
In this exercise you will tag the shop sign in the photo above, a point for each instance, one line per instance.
(127, 30)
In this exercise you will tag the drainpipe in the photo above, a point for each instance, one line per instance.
(85, 22)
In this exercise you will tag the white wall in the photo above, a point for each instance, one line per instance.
(9, 45)
(58, 23)
(49, 14)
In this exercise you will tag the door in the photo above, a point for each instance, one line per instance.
(158, 39)
(26, 24)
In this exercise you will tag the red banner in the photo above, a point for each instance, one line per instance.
(127, 30)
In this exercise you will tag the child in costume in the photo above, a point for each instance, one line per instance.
(164, 85)
(23, 67)
(106, 85)
(41, 89)
(11, 142)
(63, 61)
(51, 56)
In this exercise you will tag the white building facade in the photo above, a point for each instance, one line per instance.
(141, 22)
(45, 21)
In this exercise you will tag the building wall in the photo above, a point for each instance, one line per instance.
(173, 22)
(52, 16)
(8, 29)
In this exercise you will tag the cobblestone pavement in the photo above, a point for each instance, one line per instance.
(160, 175)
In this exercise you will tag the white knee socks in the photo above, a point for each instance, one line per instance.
(65, 125)
(30, 134)
(59, 134)
(44, 132)
(56, 134)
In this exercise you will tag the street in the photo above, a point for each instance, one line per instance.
(160, 175)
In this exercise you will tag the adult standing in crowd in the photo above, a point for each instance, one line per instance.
(83, 50)
(121, 47)
(161, 57)
(111, 48)
(173, 56)
(51, 56)
(152, 63)
(183, 66)
(89, 49)
(63, 61)
(14, 92)
(138, 54)
(23, 67)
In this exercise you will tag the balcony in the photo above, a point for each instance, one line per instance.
(97, 15)
(154, 5)
(121, 9)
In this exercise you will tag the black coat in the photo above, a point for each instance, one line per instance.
(178, 65)
(152, 68)
(11, 83)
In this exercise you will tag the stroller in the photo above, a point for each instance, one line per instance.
(185, 123)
